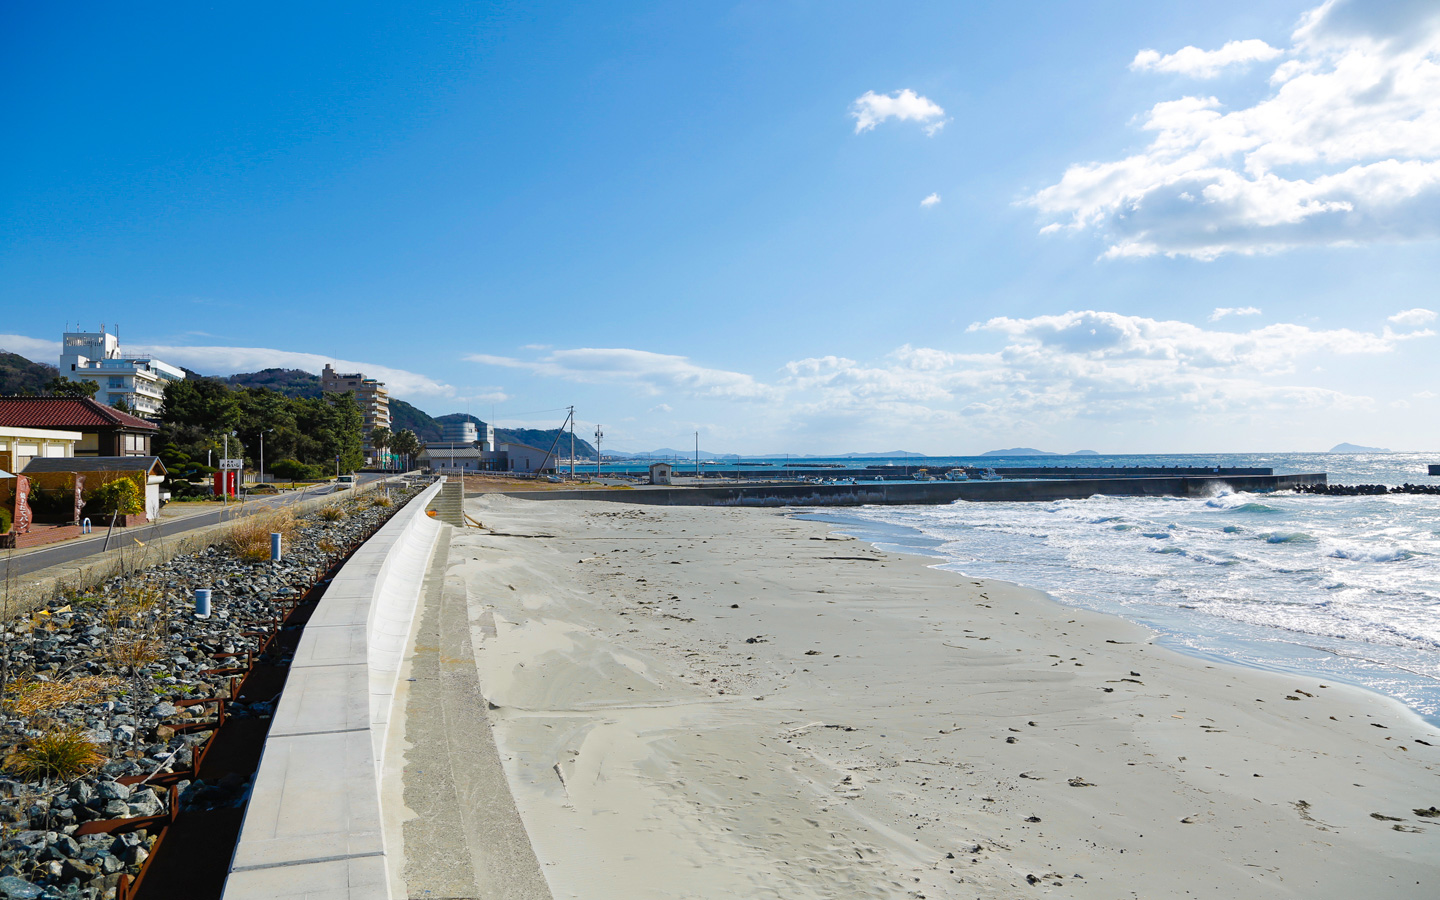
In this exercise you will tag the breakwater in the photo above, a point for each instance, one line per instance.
(934, 492)
(1364, 490)
(906, 472)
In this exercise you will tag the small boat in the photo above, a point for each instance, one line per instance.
(990, 475)
(956, 475)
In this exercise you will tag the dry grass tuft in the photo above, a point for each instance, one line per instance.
(327, 546)
(381, 501)
(332, 513)
(133, 654)
(28, 698)
(249, 539)
(62, 754)
(135, 604)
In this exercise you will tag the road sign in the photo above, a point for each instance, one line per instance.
(232, 463)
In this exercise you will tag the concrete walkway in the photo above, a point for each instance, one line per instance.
(466, 840)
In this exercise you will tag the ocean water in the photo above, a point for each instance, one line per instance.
(1340, 588)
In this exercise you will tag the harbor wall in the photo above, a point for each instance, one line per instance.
(933, 492)
(905, 472)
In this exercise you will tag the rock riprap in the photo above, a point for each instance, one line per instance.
(103, 699)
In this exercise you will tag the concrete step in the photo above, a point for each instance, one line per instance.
(449, 504)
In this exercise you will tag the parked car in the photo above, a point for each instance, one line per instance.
(344, 482)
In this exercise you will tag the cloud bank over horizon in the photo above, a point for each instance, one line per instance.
(1343, 148)
(1049, 372)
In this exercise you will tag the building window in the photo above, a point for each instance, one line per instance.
(116, 383)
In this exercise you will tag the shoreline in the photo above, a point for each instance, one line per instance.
(1201, 635)
(735, 702)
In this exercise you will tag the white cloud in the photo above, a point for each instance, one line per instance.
(229, 360)
(1223, 311)
(1413, 318)
(33, 349)
(870, 109)
(1199, 63)
(1059, 373)
(1343, 150)
(932, 200)
(647, 371)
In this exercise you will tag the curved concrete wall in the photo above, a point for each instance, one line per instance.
(313, 824)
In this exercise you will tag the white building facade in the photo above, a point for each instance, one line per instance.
(137, 379)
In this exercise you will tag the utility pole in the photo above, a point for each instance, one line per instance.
(598, 436)
(697, 454)
(572, 443)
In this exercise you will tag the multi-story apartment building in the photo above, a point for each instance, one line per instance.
(136, 378)
(370, 396)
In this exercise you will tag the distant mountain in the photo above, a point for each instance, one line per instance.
(535, 437)
(1019, 451)
(1084, 453)
(404, 417)
(885, 455)
(19, 375)
(290, 382)
(1356, 448)
(543, 438)
(671, 452)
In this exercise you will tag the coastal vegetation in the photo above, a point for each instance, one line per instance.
(201, 413)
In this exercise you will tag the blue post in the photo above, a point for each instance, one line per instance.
(84, 526)
(202, 603)
(274, 546)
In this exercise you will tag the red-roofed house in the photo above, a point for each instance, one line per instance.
(104, 431)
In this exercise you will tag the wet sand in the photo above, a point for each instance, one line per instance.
(702, 702)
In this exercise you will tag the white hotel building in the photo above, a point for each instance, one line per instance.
(137, 379)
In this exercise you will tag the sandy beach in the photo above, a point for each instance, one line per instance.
(703, 702)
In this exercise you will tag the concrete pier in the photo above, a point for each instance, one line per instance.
(934, 492)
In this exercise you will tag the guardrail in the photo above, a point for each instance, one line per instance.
(313, 824)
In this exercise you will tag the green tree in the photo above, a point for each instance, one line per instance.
(197, 415)
(406, 444)
(64, 387)
(380, 438)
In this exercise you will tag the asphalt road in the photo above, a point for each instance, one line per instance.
(70, 551)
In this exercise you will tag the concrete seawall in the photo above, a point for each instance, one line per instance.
(313, 824)
(932, 492)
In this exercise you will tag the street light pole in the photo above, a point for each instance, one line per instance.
(262, 453)
(598, 456)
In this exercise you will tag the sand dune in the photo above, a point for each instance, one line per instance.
(695, 702)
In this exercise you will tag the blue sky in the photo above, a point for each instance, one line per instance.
(713, 217)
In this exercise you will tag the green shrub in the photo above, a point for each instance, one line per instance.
(4, 521)
(294, 470)
(120, 496)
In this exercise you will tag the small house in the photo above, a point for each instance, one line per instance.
(82, 475)
(660, 473)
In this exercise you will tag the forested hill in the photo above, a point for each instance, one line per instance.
(404, 417)
(290, 382)
(19, 375)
